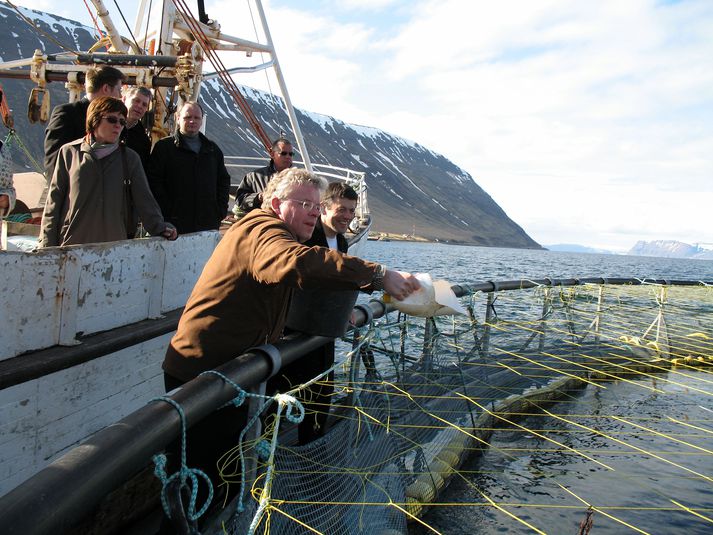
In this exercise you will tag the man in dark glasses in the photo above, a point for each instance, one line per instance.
(249, 195)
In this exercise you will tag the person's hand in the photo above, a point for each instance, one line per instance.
(170, 233)
(399, 284)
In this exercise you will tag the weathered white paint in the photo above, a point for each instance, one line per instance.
(51, 296)
(43, 418)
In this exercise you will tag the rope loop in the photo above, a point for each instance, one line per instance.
(263, 450)
(291, 402)
(184, 473)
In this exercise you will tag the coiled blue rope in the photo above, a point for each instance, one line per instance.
(184, 473)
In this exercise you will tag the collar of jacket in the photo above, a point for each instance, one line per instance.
(206, 144)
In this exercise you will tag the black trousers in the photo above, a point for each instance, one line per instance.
(315, 399)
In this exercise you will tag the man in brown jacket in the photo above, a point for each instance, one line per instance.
(241, 298)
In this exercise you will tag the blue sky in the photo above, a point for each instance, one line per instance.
(588, 122)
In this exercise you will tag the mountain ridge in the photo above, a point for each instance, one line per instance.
(672, 249)
(412, 189)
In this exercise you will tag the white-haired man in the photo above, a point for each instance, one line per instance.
(241, 298)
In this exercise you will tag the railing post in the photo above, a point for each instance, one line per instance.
(254, 406)
(488, 316)
(354, 367)
(598, 317)
(543, 319)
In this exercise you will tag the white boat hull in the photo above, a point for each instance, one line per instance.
(78, 291)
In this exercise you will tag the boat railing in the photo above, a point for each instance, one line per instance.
(331, 173)
(552, 329)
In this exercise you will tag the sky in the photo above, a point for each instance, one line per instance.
(588, 122)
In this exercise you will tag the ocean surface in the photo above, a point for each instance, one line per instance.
(459, 263)
(637, 492)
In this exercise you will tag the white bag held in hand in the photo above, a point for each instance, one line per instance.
(433, 298)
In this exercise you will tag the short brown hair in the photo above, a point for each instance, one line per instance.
(100, 106)
(338, 190)
(129, 92)
(96, 78)
(279, 140)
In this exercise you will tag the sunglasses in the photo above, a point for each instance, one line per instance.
(308, 206)
(286, 153)
(114, 120)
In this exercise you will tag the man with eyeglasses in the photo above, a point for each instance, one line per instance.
(339, 203)
(249, 194)
(188, 177)
(241, 298)
(68, 121)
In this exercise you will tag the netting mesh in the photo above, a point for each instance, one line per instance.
(414, 398)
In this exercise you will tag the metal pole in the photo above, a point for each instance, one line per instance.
(543, 320)
(488, 317)
(117, 44)
(598, 317)
(283, 89)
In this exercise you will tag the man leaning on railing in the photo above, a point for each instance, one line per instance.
(241, 298)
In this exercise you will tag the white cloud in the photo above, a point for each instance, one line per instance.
(576, 117)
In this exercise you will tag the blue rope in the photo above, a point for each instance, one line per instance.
(239, 400)
(290, 402)
(184, 472)
(264, 448)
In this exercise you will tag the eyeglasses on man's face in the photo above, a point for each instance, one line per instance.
(114, 120)
(307, 205)
(285, 153)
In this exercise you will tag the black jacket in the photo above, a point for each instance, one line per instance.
(138, 140)
(67, 123)
(319, 238)
(253, 183)
(191, 188)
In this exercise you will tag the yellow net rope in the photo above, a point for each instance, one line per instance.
(596, 386)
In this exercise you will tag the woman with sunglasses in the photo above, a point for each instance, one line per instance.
(98, 187)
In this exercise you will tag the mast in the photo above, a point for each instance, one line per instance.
(117, 44)
(283, 89)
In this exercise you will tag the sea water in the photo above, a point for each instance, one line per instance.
(529, 474)
(459, 263)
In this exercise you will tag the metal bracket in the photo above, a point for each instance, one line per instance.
(272, 354)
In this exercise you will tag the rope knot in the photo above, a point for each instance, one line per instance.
(291, 402)
(263, 449)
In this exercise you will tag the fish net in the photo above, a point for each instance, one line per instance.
(415, 399)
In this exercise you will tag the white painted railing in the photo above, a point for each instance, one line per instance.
(331, 173)
(52, 296)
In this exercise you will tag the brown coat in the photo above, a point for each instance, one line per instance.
(241, 298)
(87, 201)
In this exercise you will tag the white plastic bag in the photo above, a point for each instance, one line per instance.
(433, 298)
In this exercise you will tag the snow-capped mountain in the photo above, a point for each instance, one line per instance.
(411, 188)
(672, 249)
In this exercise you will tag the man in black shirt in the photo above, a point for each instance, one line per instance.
(137, 100)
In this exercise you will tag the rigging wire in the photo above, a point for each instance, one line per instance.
(100, 34)
(219, 67)
(262, 60)
(121, 13)
(146, 28)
